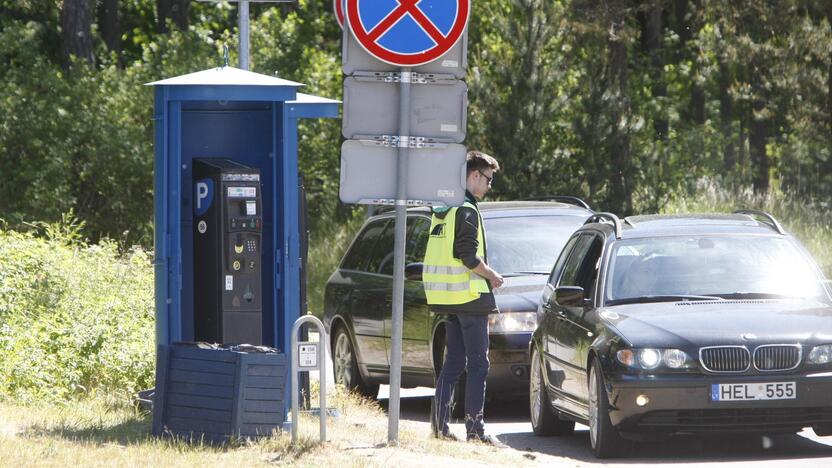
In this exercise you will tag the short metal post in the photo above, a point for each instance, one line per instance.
(297, 367)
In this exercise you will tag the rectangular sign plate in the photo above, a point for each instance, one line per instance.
(308, 355)
(435, 176)
(754, 391)
(437, 110)
(355, 58)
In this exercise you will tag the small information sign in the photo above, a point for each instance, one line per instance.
(307, 355)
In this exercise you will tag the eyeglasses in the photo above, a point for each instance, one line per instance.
(489, 179)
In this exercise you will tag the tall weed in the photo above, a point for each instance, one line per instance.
(75, 319)
(806, 219)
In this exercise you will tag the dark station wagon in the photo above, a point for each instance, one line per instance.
(662, 325)
(523, 240)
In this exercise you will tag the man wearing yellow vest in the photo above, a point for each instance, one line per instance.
(458, 282)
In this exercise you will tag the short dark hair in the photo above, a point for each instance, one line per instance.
(477, 161)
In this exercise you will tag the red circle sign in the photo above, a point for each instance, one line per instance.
(372, 36)
(338, 7)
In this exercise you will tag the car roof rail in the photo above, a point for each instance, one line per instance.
(577, 201)
(601, 217)
(769, 219)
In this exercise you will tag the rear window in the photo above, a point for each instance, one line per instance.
(362, 248)
(530, 244)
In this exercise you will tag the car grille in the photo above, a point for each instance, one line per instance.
(739, 419)
(725, 359)
(777, 357)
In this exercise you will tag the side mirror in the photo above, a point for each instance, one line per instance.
(413, 271)
(569, 296)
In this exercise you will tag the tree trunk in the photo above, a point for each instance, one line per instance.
(76, 30)
(759, 135)
(162, 15)
(653, 42)
(726, 117)
(179, 13)
(829, 79)
(108, 24)
(176, 10)
(621, 198)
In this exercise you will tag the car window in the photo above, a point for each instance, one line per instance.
(572, 267)
(417, 239)
(588, 271)
(362, 248)
(381, 260)
(567, 250)
(527, 244)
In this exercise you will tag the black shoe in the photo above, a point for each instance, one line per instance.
(449, 436)
(486, 439)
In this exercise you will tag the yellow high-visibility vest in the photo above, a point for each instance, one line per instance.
(447, 281)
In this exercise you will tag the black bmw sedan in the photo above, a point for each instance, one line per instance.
(662, 325)
(523, 240)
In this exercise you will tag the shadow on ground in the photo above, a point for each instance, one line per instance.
(131, 430)
(509, 420)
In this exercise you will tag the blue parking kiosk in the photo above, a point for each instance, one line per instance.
(227, 219)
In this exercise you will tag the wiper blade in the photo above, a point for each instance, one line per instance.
(522, 273)
(663, 298)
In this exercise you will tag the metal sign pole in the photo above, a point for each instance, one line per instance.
(398, 259)
(243, 18)
(243, 25)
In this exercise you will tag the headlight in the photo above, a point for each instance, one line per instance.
(512, 322)
(651, 358)
(820, 354)
(675, 358)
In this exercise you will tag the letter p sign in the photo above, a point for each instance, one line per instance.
(203, 196)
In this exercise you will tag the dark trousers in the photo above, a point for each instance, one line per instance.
(467, 344)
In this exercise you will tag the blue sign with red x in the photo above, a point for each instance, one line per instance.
(407, 32)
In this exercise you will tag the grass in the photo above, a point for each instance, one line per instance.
(109, 433)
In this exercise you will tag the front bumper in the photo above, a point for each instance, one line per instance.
(682, 404)
(508, 373)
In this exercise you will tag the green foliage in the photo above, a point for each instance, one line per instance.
(75, 319)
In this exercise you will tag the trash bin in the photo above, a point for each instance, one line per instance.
(214, 393)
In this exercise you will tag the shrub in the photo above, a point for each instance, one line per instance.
(75, 319)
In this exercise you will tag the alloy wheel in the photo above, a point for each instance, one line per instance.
(593, 406)
(343, 360)
(535, 392)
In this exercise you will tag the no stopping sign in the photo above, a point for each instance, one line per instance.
(407, 33)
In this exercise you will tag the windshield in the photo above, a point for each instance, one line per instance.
(710, 267)
(527, 245)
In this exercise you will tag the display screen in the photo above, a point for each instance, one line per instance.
(242, 192)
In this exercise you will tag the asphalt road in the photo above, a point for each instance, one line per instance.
(509, 421)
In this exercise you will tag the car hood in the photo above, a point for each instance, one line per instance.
(711, 323)
(520, 293)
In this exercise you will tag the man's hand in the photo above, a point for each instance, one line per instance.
(496, 280)
(488, 273)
